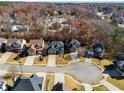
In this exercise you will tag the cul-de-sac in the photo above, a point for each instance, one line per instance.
(61, 46)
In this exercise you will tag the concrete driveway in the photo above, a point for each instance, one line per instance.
(51, 60)
(59, 77)
(30, 60)
(74, 56)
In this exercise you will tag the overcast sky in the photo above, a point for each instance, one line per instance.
(69, 1)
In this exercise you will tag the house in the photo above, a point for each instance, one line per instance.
(3, 42)
(55, 26)
(36, 46)
(105, 13)
(13, 27)
(24, 51)
(65, 26)
(33, 83)
(119, 64)
(120, 21)
(44, 52)
(89, 53)
(97, 51)
(15, 44)
(32, 50)
(61, 87)
(59, 20)
(19, 28)
(52, 50)
(73, 45)
(56, 47)
(58, 87)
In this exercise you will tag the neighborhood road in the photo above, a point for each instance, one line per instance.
(83, 71)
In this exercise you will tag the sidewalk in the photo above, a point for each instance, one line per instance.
(87, 87)
(29, 60)
(42, 74)
(109, 86)
(5, 57)
(59, 77)
(51, 60)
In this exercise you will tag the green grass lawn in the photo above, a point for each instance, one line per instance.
(8, 77)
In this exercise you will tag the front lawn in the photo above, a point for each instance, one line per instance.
(8, 77)
(11, 58)
(102, 63)
(49, 82)
(118, 82)
(62, 61)
(38, 62)
(72, 84)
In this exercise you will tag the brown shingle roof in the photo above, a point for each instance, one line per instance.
(36, 41)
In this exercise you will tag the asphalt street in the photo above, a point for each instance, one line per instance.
(83, 71)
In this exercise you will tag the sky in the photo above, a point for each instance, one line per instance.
(68, 1)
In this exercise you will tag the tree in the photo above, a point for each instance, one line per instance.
(39, 32)
(117, 36)
(114, 22)
(101, 31)
(72, 22)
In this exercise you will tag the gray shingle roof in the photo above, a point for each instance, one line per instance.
(34, 83)
(14, 44)
(56, 47)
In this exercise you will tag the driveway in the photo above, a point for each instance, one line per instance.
(59, 77)
(74, 56)
(5, 57)
(83, 71)
(51, 60)
(29, 60)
